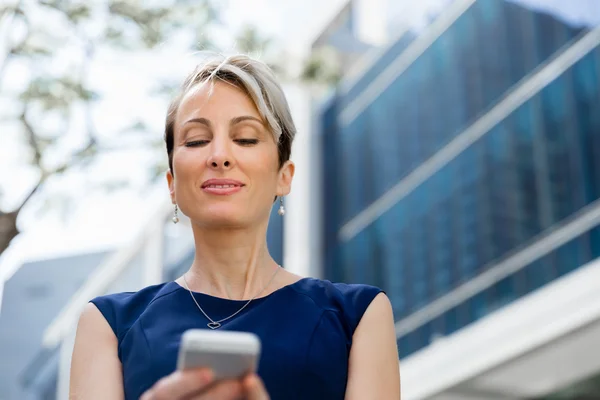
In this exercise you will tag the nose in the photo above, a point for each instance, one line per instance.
(220, 156)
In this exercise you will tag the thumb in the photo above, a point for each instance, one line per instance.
(255, 389)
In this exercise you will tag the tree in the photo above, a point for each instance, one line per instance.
(322, 68)
(53, 43)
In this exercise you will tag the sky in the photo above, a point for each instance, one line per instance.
(295, 22)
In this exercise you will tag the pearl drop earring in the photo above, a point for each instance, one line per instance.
(175, 216)
(281, 210)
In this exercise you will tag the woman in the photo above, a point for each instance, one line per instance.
(228, 136)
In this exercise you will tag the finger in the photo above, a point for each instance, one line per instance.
(254, 388)
(179, 384)
(225, 390)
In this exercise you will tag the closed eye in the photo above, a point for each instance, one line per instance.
(247, 142)
(196, 143)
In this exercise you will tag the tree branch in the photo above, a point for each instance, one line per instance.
(31, 193)
(8, 229)
(32, 140)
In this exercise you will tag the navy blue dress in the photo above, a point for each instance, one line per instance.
(306, 331)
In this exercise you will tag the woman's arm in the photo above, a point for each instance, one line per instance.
(374, 371)
(95, 366)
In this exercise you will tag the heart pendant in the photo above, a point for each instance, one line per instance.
(213, 325)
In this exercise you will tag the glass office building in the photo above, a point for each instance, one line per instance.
(458, 156)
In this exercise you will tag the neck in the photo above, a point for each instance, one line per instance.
(231, 263)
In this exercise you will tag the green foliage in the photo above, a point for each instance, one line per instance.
(56, 93)
(75, 12)
(322, 68)
(250, 41)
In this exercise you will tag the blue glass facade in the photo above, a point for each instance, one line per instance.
(531, 171)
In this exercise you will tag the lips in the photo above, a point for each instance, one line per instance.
(222, 187)
(221, 184)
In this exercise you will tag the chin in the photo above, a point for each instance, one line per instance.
(218, 223)
(219, 218)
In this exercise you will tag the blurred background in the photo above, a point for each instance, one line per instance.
(448, 152)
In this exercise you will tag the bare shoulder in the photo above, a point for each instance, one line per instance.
(95, 365)
(378, 321)
(91, 317)
(93, 328)
(374, 367)
(380, 309)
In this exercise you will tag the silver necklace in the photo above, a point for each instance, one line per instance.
(217, 324)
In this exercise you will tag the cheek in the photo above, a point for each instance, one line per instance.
(263, 167)
(187, 162)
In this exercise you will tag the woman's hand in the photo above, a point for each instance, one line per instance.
(199, 384)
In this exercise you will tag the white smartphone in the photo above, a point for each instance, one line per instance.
(229, 354)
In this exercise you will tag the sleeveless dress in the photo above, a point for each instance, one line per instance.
(305, 329)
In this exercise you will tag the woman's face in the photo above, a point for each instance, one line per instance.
(225, 160)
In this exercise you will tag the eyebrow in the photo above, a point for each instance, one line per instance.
(202, 121)
(233, 121)
(243, 118)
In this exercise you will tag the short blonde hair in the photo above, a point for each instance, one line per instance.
(253, 77)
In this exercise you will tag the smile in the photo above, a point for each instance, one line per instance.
(222, 186)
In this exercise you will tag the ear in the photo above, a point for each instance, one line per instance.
(171, 183)
(286, 175)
